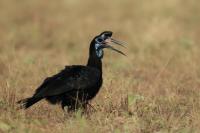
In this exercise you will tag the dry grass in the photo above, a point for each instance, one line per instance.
(160, 77)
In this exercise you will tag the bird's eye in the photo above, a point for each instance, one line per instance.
(100, 40)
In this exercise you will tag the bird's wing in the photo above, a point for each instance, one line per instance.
(69, 79)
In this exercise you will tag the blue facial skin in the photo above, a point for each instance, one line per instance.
(99, 52)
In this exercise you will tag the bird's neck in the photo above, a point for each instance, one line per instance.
(95, 62)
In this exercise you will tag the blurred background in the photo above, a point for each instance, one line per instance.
(39, 37)
(69, 25)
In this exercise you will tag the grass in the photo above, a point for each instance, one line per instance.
(154, 89)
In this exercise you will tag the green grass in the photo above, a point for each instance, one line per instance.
(154, 89)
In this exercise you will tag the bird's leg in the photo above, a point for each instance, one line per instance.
(84, 105)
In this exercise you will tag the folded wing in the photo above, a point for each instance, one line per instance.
(70, 79)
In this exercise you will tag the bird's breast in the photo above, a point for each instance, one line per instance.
(92, 92)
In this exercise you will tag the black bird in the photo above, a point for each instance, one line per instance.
(76, 85)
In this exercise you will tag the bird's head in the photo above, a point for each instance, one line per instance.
(102, 41)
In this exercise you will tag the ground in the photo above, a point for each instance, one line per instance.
(156, 88)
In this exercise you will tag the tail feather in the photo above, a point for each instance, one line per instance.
(26, 103)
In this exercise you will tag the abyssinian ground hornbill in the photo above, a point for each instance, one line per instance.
(76, 85)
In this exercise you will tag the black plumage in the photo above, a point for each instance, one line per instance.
(74, 86)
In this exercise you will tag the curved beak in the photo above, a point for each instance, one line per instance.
(117, 42)
(111, 40)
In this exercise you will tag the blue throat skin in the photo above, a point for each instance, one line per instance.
(99, 52)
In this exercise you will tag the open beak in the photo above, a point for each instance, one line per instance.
(117, 42)
(111, 40)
